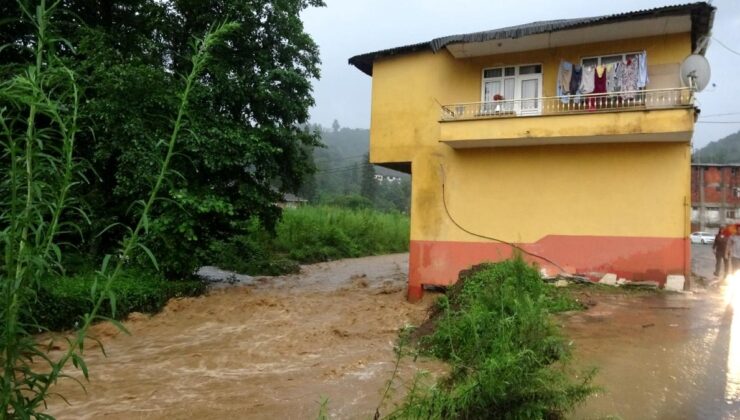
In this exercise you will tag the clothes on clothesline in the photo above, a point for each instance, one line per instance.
(624, 77)
(565, 71)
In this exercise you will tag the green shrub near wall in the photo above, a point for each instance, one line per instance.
(61, 302)
(508, 359)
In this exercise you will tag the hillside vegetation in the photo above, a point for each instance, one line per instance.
(725, 150)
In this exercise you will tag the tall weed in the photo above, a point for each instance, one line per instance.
(38, 176)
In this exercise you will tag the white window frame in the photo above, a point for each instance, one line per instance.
(599, 57)
(517, 85)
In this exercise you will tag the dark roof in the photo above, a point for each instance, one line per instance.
(711, 165)
(702, 16)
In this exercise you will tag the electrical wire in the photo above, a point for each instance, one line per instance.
(501, 241)
(726, 47)
(719, 115)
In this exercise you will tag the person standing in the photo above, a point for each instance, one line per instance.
(721, 254)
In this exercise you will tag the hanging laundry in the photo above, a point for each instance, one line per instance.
(575, 79)
(564, 77)
(587, 79)
(629, 78)
(599, 87)
(642, 78)
(612, 77)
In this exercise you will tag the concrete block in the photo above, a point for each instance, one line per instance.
(675, 283)
(609, 279)
(562, 283)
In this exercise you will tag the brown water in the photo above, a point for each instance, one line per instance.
(275, 347)
(665, 356)
(272, 350)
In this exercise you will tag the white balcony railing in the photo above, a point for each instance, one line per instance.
(555, 105)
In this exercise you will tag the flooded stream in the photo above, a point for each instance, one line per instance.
(270, 350)
(273, 348)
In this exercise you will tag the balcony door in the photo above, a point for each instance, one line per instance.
(514, 89)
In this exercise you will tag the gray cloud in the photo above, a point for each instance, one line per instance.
(348, 27)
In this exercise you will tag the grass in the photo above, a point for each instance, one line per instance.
(321, 233)
(508, 359)
(62, 302)
(313, 234)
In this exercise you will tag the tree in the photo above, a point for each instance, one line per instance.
(335, 126)
(247, 111)
(369, 185)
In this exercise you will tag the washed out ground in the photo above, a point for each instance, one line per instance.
(273, 347)
(261, 348)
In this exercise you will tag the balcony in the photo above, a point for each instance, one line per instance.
(658, 115)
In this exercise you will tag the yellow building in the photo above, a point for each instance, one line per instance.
(586, 183)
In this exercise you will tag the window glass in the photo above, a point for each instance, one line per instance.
(611, 59)
(510, 71)
(533, 69)
(591, 61)
(492, 73)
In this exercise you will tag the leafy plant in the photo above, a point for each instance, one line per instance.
(508, 360)
(39, 122)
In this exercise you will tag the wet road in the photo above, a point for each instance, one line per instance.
(664, 356)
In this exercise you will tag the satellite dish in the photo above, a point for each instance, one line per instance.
(695, 72)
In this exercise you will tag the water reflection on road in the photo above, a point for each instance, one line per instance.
(665, 356)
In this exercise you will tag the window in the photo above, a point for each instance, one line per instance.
(606, 59)
(517, 88)
(730, 214)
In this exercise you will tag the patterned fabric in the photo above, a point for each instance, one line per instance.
(612, 77)
(629, 78)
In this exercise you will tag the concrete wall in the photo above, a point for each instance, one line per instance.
(619, 207)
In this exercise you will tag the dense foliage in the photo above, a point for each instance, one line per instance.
(313, 234)
(244, 144)
(725, 150)
(508, 359)
(62, 302)
(345, 176)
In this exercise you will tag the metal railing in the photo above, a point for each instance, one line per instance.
(573, 104)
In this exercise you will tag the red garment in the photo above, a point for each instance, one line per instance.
(599, 87)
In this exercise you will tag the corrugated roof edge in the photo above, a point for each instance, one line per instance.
(702, 18)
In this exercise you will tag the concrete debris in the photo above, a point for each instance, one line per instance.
(609, 279)
(675, 283)
(562, 283)
(622, 281)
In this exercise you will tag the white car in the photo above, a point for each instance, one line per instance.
(702, 238)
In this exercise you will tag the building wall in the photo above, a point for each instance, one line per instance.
(620, 208)
(721, 196)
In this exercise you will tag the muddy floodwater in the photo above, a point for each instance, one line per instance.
(269, 350)
(665, 356)
(272, 348)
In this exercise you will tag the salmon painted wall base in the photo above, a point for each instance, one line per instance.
(634, 258)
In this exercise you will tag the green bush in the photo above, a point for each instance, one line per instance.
(311, 234)
(322, 233)
(508, 358)
(61, 302)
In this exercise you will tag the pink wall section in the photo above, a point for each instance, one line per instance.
(634, 258)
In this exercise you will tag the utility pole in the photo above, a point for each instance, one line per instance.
(702, 210)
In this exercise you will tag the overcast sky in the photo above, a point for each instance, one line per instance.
(349, 27)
